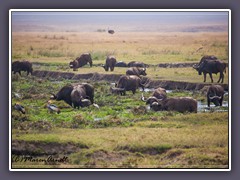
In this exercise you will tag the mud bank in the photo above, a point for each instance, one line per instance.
(176, 65)
(170, 85)
(37, 148)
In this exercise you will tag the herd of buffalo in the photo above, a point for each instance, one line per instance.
(82, 95)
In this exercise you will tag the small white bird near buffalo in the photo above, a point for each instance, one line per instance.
(51, 107)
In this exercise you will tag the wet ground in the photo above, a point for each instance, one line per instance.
(171, 85)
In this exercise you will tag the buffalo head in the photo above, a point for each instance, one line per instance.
(143, 71)
(215, 99)
(73, 65)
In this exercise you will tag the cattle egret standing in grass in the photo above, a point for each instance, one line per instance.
(51, 107)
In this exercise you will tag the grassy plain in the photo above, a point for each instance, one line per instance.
(150, 48)
(122, 133)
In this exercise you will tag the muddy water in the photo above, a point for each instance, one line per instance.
(152, 89)
(203, 107)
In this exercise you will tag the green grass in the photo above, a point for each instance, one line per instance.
(122, 133)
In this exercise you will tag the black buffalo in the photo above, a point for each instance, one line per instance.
(18, 66)
(110, 63)
(136, 64)
(74, 95)
(215, 94)
(158, 94)
(130, 83)
(64, 94)
(121, 64)
(81, 61)
(136, 71)
(179, 104)
(212, 66)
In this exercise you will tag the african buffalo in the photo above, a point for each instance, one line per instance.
(18, 66)
(121, 64)
(81, 61)
(115, 90)
(136, 71)
(179, 104)
(158, 94)
(212, 66)
(64, 94)
(215, 94)
(130, 83)
(136, 64)
(110, 63)
(203, 59)
(111, 31)
(74, 94)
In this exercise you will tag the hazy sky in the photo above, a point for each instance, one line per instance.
(120, 21)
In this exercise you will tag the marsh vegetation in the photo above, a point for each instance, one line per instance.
(123, 132)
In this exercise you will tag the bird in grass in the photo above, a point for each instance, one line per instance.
(19, 107)
(51, 107)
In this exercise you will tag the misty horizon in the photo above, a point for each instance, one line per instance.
(120, 21)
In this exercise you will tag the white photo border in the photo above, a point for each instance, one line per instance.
(119, 10)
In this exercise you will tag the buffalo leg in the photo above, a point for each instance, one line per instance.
(220, 101)
(208, 101)
(204, 74)
(210, 74)
(221, 77)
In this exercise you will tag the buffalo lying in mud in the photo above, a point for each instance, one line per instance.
(130, 83)
(75, 95)
(158, 94)
(215, 94)
(211, 66)
(179, 104)
(121, 64)
(81, 61)
(136, 64)
(136, 71)
(118, 91)
(19, 66)
(110, 63)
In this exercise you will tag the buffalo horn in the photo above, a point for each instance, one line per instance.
(143, 99)
(212, 97)
(53, 96)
